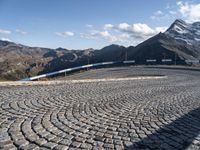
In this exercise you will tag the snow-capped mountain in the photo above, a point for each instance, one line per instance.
(181, 41)
(185, 32)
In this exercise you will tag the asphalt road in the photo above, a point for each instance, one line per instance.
(125, 114)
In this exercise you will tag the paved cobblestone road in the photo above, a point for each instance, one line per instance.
(137, 114)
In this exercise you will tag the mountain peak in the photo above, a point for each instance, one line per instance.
(178, 26)
(179, 21)
(184, 32)
(113, 46)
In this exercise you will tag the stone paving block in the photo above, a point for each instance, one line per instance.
(126, 114)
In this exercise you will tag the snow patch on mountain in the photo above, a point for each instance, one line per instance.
(181, 30)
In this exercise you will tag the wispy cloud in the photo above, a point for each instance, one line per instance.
(105, 35)
(186, 10)
(65, 34)
(89, 25)
(158, 15)
(108, 26)
(87, 36)
(3, 31)
(189, 11)
(6, 39)
(21, 31)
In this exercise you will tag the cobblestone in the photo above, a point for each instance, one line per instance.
(136, 114)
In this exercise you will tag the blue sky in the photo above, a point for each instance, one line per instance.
(80, 24)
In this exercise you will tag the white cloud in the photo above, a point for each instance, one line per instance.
(142, 29)
(191, 12)
(124, 38)
(87, 36)
(159, 12)
(158, 15)
(108, 26)
(21, 32)
(65, 34)
(105, 35)
(6, 39)
(124, 27)
(2, 31)
(139, 30)
(89, 25)
(183, 8)
(123, 33)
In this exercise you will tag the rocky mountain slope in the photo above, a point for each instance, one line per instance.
(19, 61)
(181, 41)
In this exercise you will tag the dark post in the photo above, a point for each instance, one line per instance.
(175, 59)
(126, 55)
(88, 62)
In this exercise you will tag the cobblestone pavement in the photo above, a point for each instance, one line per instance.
(136, 114)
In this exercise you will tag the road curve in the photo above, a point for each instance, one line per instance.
(127, 114)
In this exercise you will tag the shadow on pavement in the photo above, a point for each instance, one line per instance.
(180, 134)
